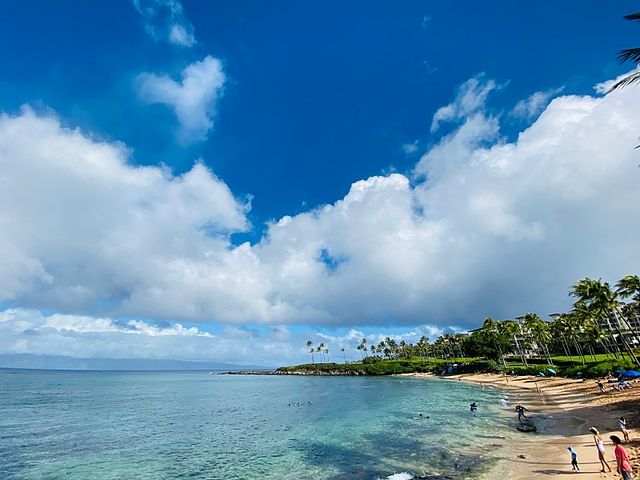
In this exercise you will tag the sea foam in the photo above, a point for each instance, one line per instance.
(400, 476)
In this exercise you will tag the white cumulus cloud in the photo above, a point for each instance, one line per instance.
(81, 226)
(488, 227)
(193, 98)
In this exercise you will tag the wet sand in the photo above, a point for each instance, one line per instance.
(563, 410)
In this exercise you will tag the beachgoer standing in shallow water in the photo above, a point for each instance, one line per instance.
(520, 411)
(622, 458)
(622, 423)
(473, 408)
(600, 447)
(574, 459)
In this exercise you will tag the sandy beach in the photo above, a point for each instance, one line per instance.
(563, 410)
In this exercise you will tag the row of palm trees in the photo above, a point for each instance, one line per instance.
(603, 319)
(323, 350)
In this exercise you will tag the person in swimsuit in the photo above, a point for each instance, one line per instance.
(600, 447)
(622, 423)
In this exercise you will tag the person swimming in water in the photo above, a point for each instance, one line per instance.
(473, 408)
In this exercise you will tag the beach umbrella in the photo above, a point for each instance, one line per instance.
(551, 370)
(541, 374)
(628, 373)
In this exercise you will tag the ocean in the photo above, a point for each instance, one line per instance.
(166, 425)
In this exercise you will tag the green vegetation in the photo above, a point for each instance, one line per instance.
(439, 366)
(384, 367)
(599, 335)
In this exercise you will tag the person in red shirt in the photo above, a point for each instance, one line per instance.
(622, 459)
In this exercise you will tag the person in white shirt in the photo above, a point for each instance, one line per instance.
(622, 423)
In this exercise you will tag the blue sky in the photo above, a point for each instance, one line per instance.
(318, 95)
(300, 101)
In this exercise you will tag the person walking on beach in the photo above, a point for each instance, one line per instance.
(574, 459)
(600, 448)
(622, 423)
(520, 411)
(622, 458)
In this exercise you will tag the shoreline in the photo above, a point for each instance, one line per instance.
(563, 410)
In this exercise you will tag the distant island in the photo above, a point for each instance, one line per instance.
(54, 362)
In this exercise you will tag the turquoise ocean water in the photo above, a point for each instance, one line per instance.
(157, 425)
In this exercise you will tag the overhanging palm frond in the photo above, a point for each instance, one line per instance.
(628, 80)
(627, 54)
(632, 16)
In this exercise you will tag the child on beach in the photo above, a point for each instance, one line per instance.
(622, 423)
(622, 458)
(574, 459)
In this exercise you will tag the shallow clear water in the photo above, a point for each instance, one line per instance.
(154, 425)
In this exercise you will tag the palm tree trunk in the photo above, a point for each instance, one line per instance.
(621, 318)
(520, 351)
(565, 347)
(578, 349)
(625, 343)
(545, 350)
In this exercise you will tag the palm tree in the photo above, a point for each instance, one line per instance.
(490, 328)
(539, 330)
(629, 55)
(629, 287)
(573, 329)
(310, 347)
(363, 347)
(403, 348)
(326, 351)
(512, 329)
(559, 329)
(344, 355)
(593, 334)
(320, 350)
(598, 296)
(393, 347)
(423, 347)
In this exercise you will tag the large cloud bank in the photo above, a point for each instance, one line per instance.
(482, 226)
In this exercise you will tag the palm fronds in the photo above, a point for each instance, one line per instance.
(629, 54)
(628, 80)
(626, 55)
